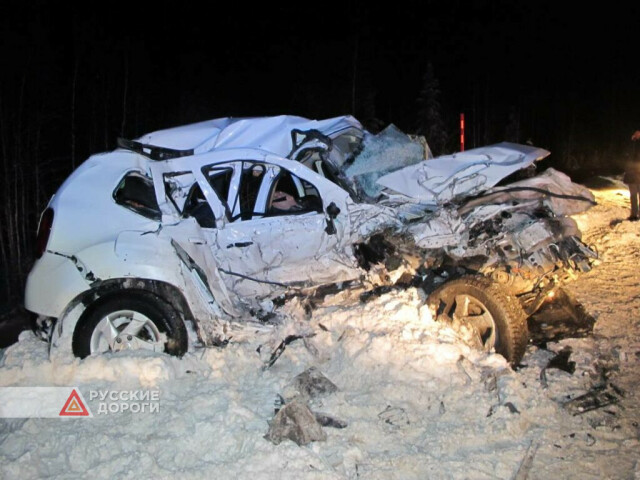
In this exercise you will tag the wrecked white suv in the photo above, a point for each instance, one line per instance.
(172, 238)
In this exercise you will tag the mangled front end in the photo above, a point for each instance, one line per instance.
(521, 236)
(460, 216)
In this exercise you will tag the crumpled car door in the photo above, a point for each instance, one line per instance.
(269, 253)
(178, 190)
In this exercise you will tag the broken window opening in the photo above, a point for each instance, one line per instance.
(186, 195)
(262, 190)
(136, 193)
(237, 185)
(314, 158)
(177, 187)
(220, 181)
(196, 206)
(290, 195)
(250, 183)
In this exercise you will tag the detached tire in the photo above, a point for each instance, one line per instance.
(481, 308)
(128, 321)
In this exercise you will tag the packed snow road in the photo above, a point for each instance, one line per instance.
(418, 403)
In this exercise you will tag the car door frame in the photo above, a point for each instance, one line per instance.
(276, 276)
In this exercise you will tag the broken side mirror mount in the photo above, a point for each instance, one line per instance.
(332, 210)
(332, 213)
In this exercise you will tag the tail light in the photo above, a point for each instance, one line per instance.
(44, 229)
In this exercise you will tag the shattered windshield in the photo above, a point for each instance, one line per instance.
(386, 152)
(346, 146)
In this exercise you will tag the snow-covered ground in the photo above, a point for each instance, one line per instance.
(418, 403)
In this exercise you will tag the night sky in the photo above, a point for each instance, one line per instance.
(568, 74)
(76, 77)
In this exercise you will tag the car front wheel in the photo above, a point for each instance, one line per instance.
(130, 321)
(489, 318)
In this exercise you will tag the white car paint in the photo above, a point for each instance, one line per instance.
(230, 265)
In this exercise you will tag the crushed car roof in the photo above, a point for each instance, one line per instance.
(272, 134)
(390, 160)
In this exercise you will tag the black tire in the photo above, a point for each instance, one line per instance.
(510, 335)
(162, 316)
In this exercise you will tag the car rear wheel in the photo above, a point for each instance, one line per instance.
(130, 321)
(486, 316)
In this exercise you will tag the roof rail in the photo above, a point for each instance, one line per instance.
(153, 152)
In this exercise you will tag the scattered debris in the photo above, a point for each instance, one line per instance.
(312, 384)
(311, 348)
(561, 362)
(619, 391)
(297, 423)
(460, 364)
(293, 416)
(512, 408)
(594, 399)
(563, 317)
(278, 404)
(602, 369)
(281, 347)
(329, 421)
(527, 462)
(375, 293)
(395, 417)
(490, 379)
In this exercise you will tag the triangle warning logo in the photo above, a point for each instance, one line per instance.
(74, 406)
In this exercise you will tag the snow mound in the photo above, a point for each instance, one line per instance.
(418, 402)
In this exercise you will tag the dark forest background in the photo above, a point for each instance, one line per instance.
(75, 77)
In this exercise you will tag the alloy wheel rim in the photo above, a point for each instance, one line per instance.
(126, 330)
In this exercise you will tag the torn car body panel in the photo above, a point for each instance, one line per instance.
(443, 179)
(234, 212)
(552, 189)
